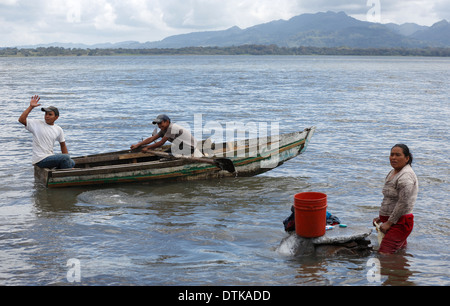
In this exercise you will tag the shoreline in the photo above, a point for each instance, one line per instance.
(256, 50)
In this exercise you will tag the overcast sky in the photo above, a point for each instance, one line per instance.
(29, 22)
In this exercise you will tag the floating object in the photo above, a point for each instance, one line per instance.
(248, 156)
(342, 225)
(310, 214)
(329, 227)
(380, 233)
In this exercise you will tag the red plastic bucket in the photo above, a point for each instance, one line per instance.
(310, 214)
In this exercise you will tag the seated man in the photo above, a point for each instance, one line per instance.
(183, 143)
(45, 133)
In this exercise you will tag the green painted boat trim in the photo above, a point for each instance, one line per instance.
(127, 179)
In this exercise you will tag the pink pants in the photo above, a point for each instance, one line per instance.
(396, 236)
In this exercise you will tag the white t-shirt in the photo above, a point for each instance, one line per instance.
(177, 135)
(175, 131)
(44, 137)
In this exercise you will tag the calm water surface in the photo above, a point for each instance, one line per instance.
(225, 232)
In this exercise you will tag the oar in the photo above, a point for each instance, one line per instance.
(222, 163)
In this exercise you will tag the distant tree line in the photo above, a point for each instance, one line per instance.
(234, 50)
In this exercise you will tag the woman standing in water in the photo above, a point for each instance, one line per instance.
(400, 193)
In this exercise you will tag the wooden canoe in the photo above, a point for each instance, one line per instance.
(250, 157)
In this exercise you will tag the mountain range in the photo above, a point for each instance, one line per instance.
(324, 29)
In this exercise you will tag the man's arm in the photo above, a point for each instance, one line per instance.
(63, 148)
(155, 145)
(33, 103)
(144, 142)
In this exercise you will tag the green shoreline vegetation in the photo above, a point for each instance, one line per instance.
(234, 50)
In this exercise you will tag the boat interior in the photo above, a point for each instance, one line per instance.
(227, 149)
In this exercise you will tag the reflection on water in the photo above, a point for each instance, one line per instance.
(396, 269)
(54, 200)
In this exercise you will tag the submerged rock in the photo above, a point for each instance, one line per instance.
(337, 241)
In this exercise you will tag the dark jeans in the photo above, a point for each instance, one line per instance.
(58, 161)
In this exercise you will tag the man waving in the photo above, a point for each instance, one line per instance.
(45, 133)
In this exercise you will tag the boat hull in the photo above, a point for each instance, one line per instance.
(249, 158)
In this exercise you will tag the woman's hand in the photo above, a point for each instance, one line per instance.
(385, 226)
(376, 220)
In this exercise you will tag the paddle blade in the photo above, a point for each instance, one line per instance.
(225, 164)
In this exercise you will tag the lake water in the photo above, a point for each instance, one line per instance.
(224, 232)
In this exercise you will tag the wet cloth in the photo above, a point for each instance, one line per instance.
(332, 219)
(395, 237)
(289, 222)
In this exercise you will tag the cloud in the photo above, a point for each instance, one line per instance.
(415, 11)
(26, 22)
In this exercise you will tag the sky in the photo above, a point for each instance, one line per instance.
(30, 22)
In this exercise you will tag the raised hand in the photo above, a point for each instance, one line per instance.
(35, 101)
